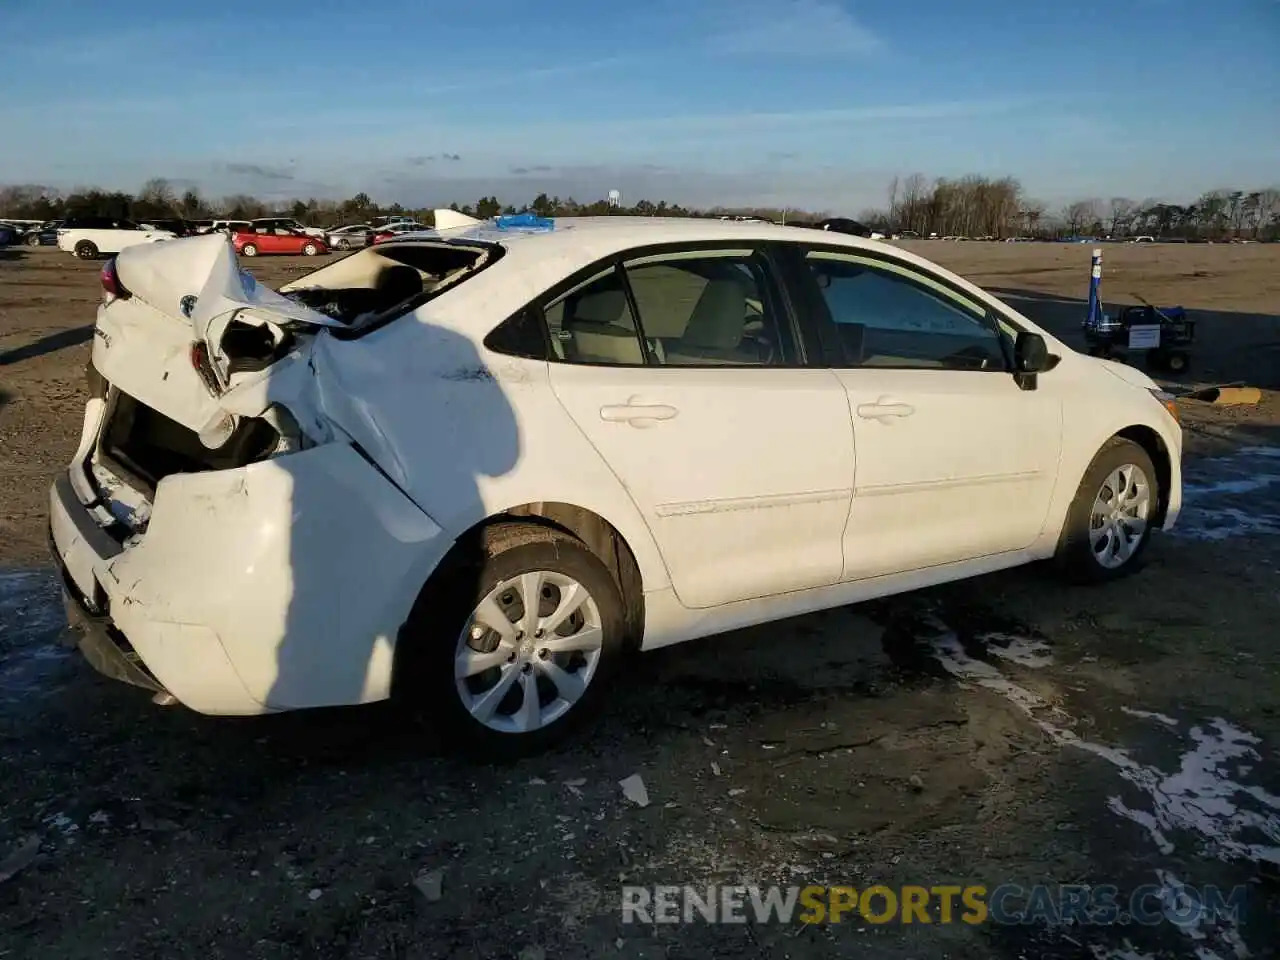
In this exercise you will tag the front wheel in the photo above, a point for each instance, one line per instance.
(1109, 522)
(87, 250)
(511, 650)
(343, 243)
(310, 249)
(248, 250)
(33, 240)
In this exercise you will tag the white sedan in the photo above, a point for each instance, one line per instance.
(476, 469)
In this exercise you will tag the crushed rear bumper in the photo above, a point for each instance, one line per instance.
(99, 642)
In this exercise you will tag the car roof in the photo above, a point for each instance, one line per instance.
(591, 238)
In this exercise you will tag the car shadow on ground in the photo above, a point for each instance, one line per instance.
(12, 253)
(48, 344)
(1228, 346)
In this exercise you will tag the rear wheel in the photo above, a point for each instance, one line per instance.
(1110, 520)
(33, 240)
(343, 243)
(249, 250)
(511, 651)
(87, 250)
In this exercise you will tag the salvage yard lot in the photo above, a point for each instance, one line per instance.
(1006, 730)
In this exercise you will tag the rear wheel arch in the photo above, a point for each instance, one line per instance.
(600, 536)
(516, 523)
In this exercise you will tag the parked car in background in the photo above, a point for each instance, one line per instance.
(91, 237)
(175, 225)
(475, 472)
(44, 235)
(265, 241)
(8, 235)
(397, 229)
(287, 223)
(230, 226)
(345, 238)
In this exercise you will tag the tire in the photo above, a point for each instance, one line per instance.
(249, 250)
(443, 631)
(87, 250)
(1177, 361)
(343, 243)
(1087, 554)
(33, 240)
(310, 249)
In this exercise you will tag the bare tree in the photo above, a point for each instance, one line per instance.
(1122, 211)
(1081, 214)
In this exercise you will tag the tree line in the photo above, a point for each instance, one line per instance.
(968, 206)
(977, 206)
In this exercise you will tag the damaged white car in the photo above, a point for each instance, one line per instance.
(475, 468)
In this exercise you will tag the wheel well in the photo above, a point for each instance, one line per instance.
(1150, 441)
(597, 534)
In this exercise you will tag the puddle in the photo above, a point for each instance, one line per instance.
(1231, 496)
(31, 621)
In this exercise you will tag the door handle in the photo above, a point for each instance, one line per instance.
(884, 408)
(637, 413)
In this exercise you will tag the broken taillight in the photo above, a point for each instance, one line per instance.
(112, 288)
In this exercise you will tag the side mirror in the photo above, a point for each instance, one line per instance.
(1030, 353)
(1031, 357)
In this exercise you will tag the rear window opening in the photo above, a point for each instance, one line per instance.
(143, 446)
(378, 284)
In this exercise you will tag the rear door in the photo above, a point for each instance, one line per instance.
(955, 460)
(685, 370)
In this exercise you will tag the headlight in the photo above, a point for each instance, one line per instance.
(1169, 402)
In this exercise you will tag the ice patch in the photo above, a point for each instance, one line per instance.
(31, 620)
(1148, 715)
(1209, 511)
(1201, 797)
(1024, 651)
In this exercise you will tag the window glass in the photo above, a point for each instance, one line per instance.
(706, 308)
(593, 323)
(890, 316)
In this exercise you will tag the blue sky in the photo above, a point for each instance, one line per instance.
(813, 103)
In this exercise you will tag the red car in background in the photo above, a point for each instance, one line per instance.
(271, 240)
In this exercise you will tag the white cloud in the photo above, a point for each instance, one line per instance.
(805, 28)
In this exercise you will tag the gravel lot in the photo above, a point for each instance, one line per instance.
(1005, 730)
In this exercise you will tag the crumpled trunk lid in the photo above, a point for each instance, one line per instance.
(168, 346)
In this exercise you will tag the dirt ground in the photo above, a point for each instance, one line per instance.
(1008, 730)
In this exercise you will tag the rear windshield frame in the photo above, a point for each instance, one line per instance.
(489, 254)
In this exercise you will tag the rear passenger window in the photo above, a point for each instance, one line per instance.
(593, 323)
(706, 308)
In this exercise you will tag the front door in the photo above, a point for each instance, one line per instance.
(681, 370)
(955, 460)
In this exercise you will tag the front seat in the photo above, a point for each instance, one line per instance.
(395, 285)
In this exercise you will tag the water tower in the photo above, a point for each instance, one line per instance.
(615, 198)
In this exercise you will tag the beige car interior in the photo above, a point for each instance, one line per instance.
(373, 282)
(688, 319)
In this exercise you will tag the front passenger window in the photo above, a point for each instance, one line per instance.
(888, 315)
